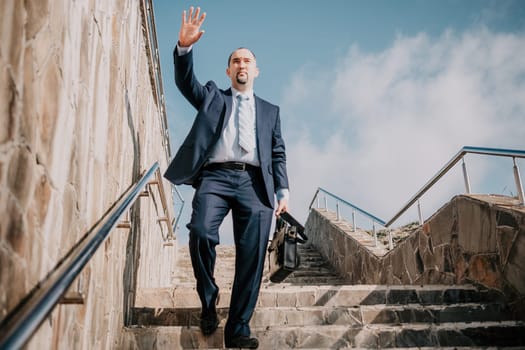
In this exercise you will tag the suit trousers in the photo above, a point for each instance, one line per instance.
(242, 192)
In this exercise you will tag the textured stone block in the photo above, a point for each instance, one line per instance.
(506, 219)
(496, 335)
(379, 314)
(13, 23)
(8, 96)
(415, 338)
(375, 297)
(365, 338)
(449, 337)
(387, 339)
(506, 236)
(20, 175)
(13, 228)
(454, 296)
(12, 269)
(350, 317)
(515, 269)
(399, 268)
(485, 269)
(266, 299)
(286, 299)
(442, 224)
(428, 297)
(401, 296)
(48, 107)
(304, 298)
(476, 226)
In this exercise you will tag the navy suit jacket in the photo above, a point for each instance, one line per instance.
(214, 108)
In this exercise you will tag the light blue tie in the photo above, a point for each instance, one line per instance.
(246, 123)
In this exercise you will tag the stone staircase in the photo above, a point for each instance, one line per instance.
(313, 308)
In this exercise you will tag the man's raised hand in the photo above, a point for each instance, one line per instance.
(190, 31)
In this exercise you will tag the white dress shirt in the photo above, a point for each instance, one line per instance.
(227, 148)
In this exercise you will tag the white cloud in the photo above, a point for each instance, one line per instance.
(399, 115)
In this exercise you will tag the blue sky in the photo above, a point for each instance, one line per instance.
(375, 96)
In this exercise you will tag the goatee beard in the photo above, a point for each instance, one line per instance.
(242, 80)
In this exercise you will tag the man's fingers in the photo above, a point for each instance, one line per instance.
(203, 16)
(190, 15)
(196, 17)
(281, 208)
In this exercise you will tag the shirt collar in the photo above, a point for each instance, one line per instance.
(248, 93)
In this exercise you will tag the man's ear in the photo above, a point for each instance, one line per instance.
(228, 71)
(256, 72)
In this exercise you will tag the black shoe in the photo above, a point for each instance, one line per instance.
(242, 341)
(209, 324)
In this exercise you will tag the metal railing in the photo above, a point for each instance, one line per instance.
(171, 223)
(460, 157)
(175, 224)
(355, 209)
(449, 165)
(17, 328)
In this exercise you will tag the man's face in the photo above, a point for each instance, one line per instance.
(242, 69)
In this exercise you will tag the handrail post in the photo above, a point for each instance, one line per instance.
(390, 240)
(337, 210)
(318, 204)
(465, 176)
(325, 203)
(169, 221)
(316, 197)
(353, 220)
(175, 224)
(517, 178)
(375, 233)
(419, 212)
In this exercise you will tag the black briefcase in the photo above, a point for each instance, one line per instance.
(282, 251)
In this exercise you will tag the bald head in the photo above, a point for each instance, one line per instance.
(240, 48)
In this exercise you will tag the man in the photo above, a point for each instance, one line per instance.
(234, 156)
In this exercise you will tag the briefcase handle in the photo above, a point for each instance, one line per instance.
(293, 222)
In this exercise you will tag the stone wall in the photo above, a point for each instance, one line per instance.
(476, 239)
(79, 123)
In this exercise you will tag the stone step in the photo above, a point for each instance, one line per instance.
(322, 315)
(493, 334)
(313, 268)
(309, 280)
(186, 269)
(289, 295)
(227, 253)
(313, 271)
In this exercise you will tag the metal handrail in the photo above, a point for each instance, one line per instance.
(167, 216)
(459, 156)
(175, 224)
(20, 325)
(375, 219)
(362, 211)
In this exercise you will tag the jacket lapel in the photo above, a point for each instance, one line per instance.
(260, 125)
(228, 102)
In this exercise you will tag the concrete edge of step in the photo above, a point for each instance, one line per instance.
(345, 287)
